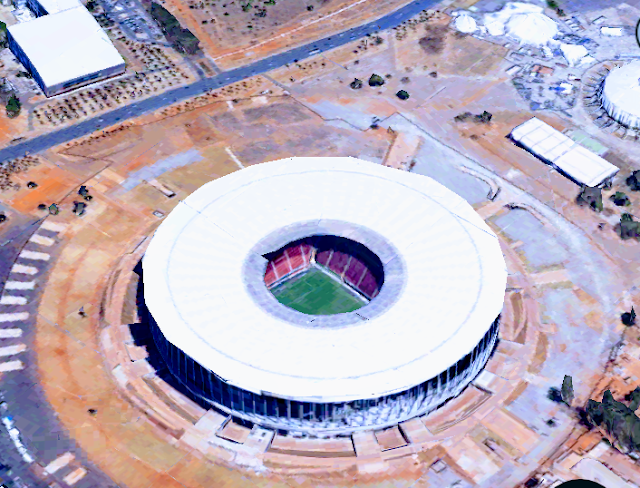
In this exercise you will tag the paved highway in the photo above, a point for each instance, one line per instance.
(52, 139)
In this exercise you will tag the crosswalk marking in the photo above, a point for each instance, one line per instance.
(14, 317)
(20, 268)
(20, 285)
(38, 256)
(11, 366)
(9, 333)
(53, 226)
(59, 463)
(12, 350)
(11, 300)
(75, 476)
(42, 240)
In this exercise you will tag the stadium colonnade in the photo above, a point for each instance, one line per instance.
(318, 418)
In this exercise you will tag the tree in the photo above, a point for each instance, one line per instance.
(633, 181)
(635, 399)
(3, 35)
(592, 197)
(356, 84)
(13, 107)
(620, 199)
(183, 39)
(628, 228)
(554, 395)
(462, 117)
(567, 390)
(629, 319)
(484, 117)
(402, 95)
(618, 422)
(92, 5)
(376, 80)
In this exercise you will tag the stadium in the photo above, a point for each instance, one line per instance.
(324, 296)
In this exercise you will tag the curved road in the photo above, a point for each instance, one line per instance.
(20, 390)
(52, 139)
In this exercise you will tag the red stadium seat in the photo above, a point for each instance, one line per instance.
(295, 257)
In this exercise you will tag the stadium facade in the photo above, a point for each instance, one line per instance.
(431, 271)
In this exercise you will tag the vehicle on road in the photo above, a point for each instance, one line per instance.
(315, 51)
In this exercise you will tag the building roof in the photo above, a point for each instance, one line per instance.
(66, 45)
(445, 279)
(552, 145)
(55, 6)
(621, 94)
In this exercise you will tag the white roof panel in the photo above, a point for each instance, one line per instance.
(66, 45)
(196, 290)
(585, 166)
(55, 6)
(576, 161)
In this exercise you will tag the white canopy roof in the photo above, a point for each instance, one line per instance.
(552, 145)
(197, 291)
(66, 45)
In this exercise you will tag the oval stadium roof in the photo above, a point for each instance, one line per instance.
(450, 290)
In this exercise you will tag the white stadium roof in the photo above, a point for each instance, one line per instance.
(196, 289)
(66, 45)
(552, 145)
(621, 94)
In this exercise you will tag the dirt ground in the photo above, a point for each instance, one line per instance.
(12, 128)
(253, 29)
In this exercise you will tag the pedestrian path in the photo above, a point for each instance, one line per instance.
(18, 299)
(66, 468)
(20, 291)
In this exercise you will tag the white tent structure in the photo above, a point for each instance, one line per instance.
(465, 23)
(621, 94)
(531, 28)
(575, 55)
(553, 147)
(522, 21)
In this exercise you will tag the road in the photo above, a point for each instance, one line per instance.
(40, 432)
(133, 110)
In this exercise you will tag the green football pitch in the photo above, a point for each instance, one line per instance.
(315, 293)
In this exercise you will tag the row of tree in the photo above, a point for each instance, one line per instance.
(617, 421)
(181, 38)
(627, 228)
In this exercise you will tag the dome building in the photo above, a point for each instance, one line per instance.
(324, 295)
(620, 94)
(465, 23)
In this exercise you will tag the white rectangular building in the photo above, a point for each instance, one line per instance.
(558, 150)
(65, 47)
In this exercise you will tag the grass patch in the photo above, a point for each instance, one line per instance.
(315, 293)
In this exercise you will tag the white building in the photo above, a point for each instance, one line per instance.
(621, 94)
(558, 150)
(418, 342)
(65, 47)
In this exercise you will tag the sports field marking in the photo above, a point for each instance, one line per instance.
(316, 293)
